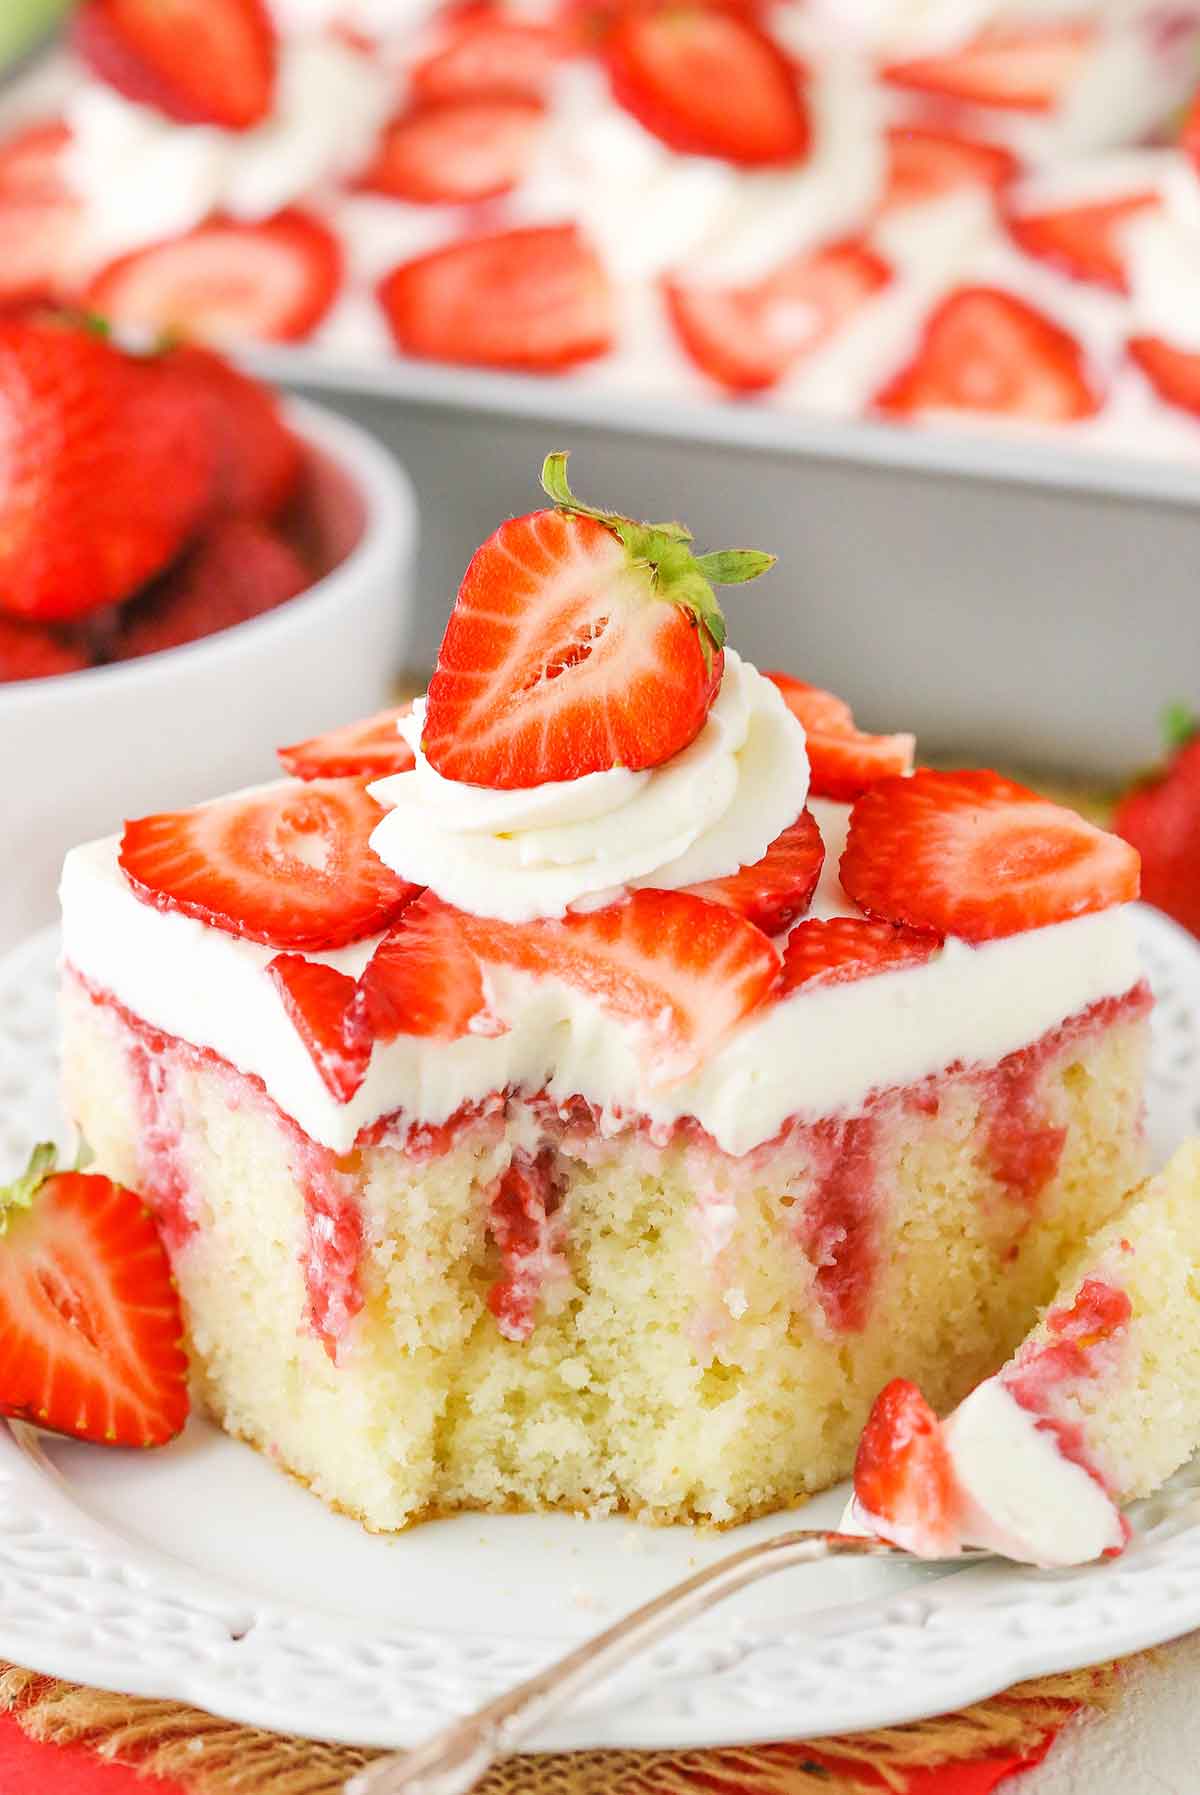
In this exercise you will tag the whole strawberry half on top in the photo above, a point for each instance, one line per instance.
(580, 641)
(91, 1331)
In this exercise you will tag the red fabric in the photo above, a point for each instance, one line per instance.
(30, 1769)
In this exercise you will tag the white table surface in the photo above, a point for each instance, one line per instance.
(1149, 1744)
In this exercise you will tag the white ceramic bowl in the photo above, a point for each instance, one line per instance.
(83, 751)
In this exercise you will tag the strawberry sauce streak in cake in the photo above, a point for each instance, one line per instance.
(162, 1171)
(838, 1228)
(333, 1252)
(525, 1224)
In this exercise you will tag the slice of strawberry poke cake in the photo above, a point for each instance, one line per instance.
(588, 1088)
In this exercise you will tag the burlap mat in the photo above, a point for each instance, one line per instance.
(213, 1757)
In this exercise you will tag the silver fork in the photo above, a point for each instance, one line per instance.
(454, 1759)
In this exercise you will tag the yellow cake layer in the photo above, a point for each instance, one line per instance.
(685, 1370)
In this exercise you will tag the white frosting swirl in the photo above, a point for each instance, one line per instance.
(517, 855)
(143, 177)
(1163, 249)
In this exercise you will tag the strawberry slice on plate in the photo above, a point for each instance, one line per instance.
(903, 1475)
(1173, 373)
(240, 569)
(260, 459)
(536, 299)
(708, 81)
(984, 350)
(978, 856)
(1026, 69)
(318, 1000)
(484, 55)
(456, 152)
(227, 281)
(1084, 241)
(371, 748)
(579, 641)
(683, 971)
(288, 865)
(202, 62)
(845, 948)
(777, 889)
(842, 760)
(924, 162)
(91, 1333)
(748, 338)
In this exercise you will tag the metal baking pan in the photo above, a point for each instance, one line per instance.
(1007, 598)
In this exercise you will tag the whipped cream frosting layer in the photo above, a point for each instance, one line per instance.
(716, 806)
(820, 1053)
(141, 176)
(1020, 1496)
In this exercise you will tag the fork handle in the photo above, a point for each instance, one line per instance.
(453, 1760)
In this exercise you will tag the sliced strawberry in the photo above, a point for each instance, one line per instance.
(849, 947)
(40, 239)
(227, 281)
(579, 641)
(91, 1333)
(1027, 69)
(203, 62)
(105, 473)
(288, 865)
(748, 338)
(1161, 818)
(1173, 373)
(1084, 241)
(923, 163)
(260, 459)
(318, 1000)
(984, 350)
(30, 651)
(31, 162)
(683, 971)
(708, 82)
(842, 761)
(489, 56)
(239, 570)
(423, 979)
(903, 1476)
(535, 299)
(974, 855)
(370, 749)
(456, 152)
(777, 889)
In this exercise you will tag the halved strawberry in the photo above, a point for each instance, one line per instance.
(579, 641)
(536, 299)
(455, 152)
(372, 748)
(975, 855)
(31, 162)
(1023, 69)
(903, 1475)
(1160, 817)
(1084, 241)
(31, 651)
(423, 979)
(105, 473)
(318, 1000)
(842, 761)
(485, 55)
(984, 350)
(683, 971)
(203, 62)
(91, 1333)
(1173, 373)
(260, 459)
(239, 569)
(924, 162)
(845, 948)
(227, 281)
(777, 889)
(750, 337)
(288, 865)
(708, 82)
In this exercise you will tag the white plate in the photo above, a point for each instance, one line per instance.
(202, 1574)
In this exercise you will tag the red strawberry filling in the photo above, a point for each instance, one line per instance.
(333, 1250)
(839, 1219)
(524, 1222)
(162, 1167)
